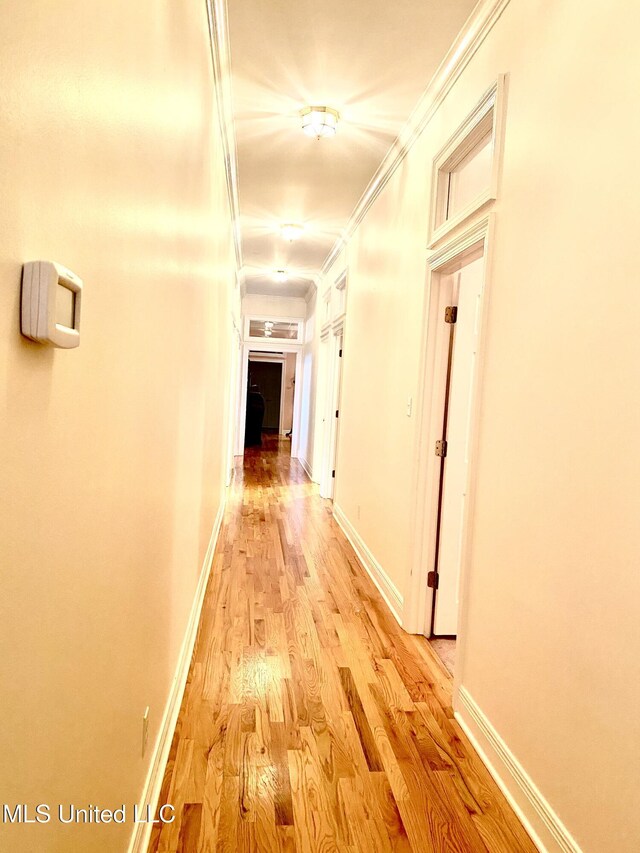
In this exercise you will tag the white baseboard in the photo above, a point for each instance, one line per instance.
(388, 590)
(142, 831)
(306, 467)
(544, 826)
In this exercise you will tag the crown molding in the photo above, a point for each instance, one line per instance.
(471, 36)
(221, 63)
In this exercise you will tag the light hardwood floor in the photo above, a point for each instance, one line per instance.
(311, 721)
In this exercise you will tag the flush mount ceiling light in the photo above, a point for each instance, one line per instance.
(291, 231)
(319, 121)
(280, 276)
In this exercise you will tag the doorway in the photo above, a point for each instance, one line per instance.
(332, 414)
(269, 405)
(445, 443)
(265, 380)
(458, 307)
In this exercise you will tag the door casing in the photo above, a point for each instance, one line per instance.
(472, 242)
(335, 343)
(269, 347)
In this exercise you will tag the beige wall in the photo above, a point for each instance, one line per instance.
(254, 304)
(111, 454)
(549, 640)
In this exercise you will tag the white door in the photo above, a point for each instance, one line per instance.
(336, 413)
(334, 380)
(465, 289)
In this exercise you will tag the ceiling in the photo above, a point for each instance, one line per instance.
(369, 59)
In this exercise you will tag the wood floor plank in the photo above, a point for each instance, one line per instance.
(389, 813)
(189, 827)
(365, 734)
(311, 722)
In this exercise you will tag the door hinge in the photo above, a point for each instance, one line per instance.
(333, 473)
(441, 447)
(340, 353)
(450, 314)
(337, 413)
(433, 580)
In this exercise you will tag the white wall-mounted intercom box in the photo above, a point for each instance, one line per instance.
(51, 299)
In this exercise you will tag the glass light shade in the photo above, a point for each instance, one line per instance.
(319, 121)
(280, 276)
(268, 324)
(291, 231)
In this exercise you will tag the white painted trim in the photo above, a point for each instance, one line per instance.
(387, 589)
(337, 325)
(461, 243)
(260, 318)
(460, 143)
(332, 403)
(306, 467)
(141, 834)
(417, 610)
(221, 64)
(242, 400)
(283, 379)
(544, 826)
(232, 400)
(297, 405)
(469, 39)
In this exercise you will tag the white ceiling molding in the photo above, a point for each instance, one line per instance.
(220, 58)
(313, 289)
(471, 36)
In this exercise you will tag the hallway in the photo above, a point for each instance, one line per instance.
(380, 234)
(310, 720)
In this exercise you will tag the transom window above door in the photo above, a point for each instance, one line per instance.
(278, 330)
(465, 172)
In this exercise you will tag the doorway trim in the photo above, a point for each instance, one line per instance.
(275, 359)
(332, 405)
(477, 237)
(267, 347)
(234, 396)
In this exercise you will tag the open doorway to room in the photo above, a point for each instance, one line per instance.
(457, 282)
(269, 403)
(270, 399)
